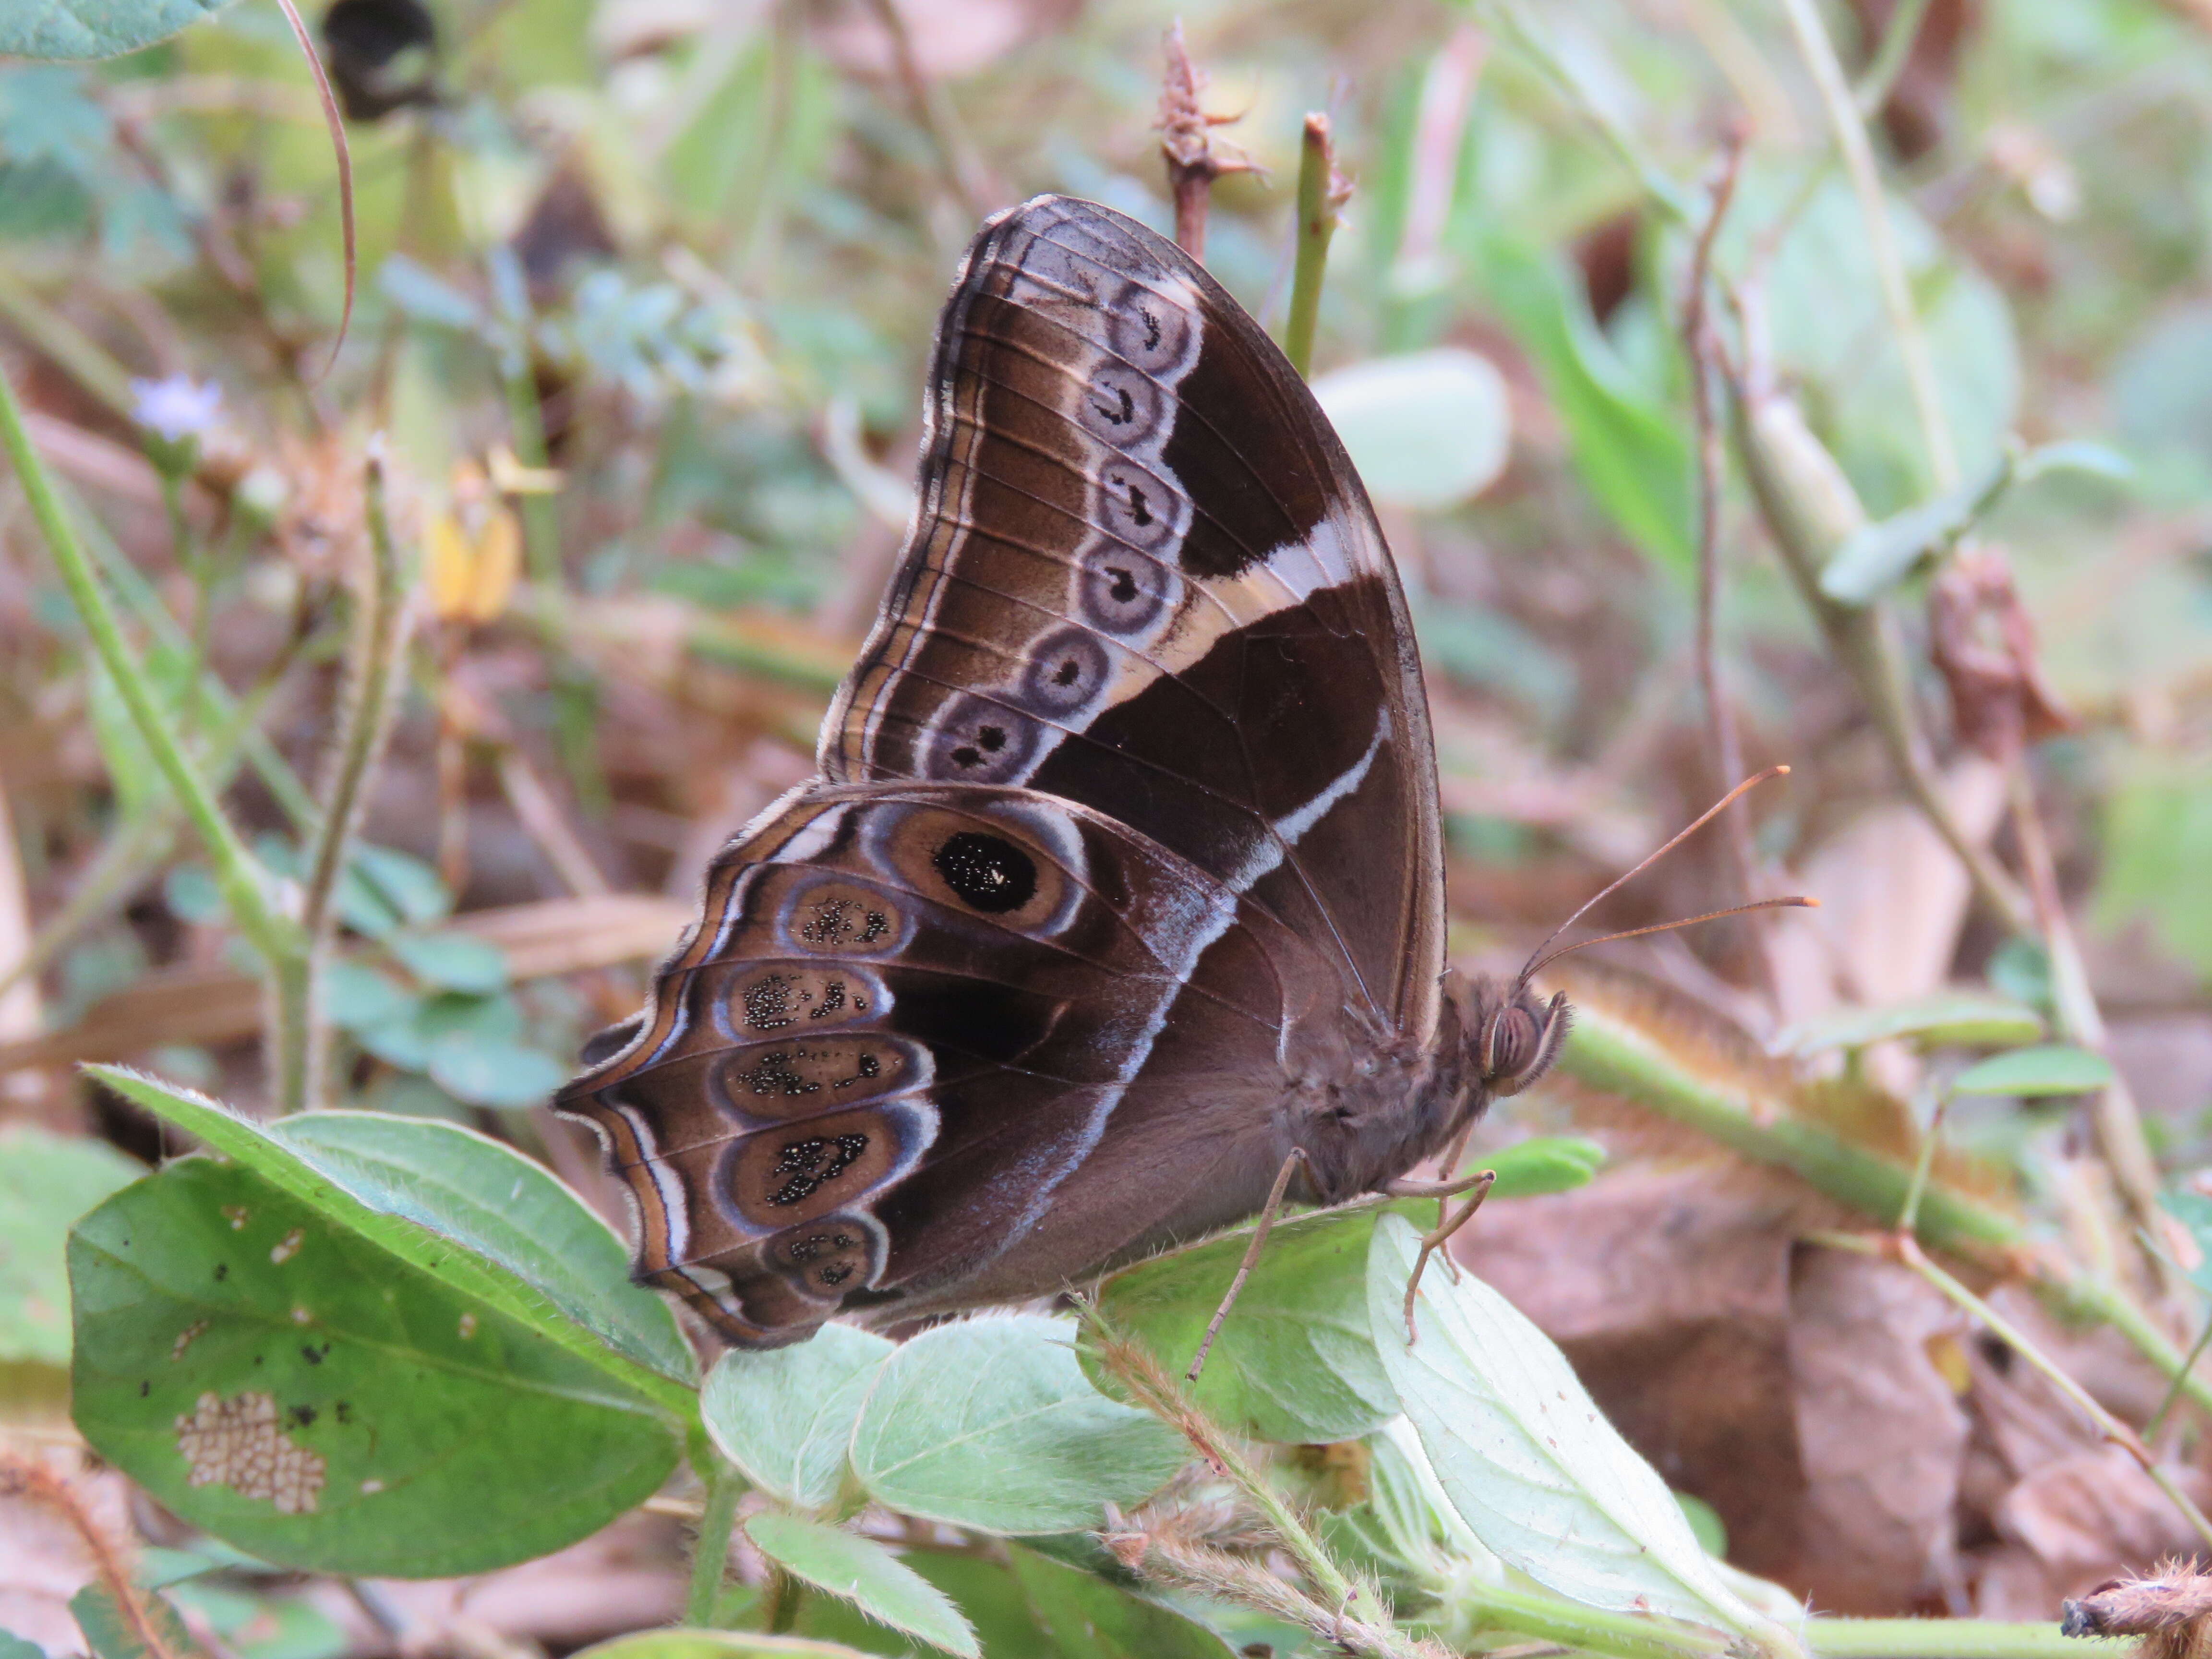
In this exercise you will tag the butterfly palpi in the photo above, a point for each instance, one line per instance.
(1120, 892)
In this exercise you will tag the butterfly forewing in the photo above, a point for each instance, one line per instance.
(1144, 576)
(1124, 869)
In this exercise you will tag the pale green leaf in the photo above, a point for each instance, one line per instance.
(866, 1574)
(1426, 430)
(1527, 1461)
(1971, 1019)
(786, 1417)
(46, 1182)
(990, 1423)
(74, 29)
(681, 1643)
(2055, 1068)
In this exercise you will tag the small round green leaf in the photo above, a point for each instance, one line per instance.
(989, 1422)
(1543, 1163)
(866, 1574)
(786, 1418)
(2051, 1069)
(1429, 430)
(485, 1072)
(274, 1379)
(357, 998)
(452, 962)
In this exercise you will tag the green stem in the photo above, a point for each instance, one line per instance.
(243, 884)
(1850, 128)
(1908, 1217)
(1318, 201)
(525, 417)
(2173, 1390)
(710, 1557)
(1607, 1053)
(1896, 45)
(379, 636)
(1946, 1638)
(1532, 1615)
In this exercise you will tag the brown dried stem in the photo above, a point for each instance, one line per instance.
(1703, 348)
(29, 1478)
(933, 113)
(1187, 141)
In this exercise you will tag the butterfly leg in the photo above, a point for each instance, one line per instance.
(1267, 1214)
(1452, 1188)
(1480, 1186)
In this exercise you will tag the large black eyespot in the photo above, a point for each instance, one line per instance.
(1513, 1044)
(988, 871)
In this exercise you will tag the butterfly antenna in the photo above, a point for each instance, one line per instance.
(1796, 903)
(1537, 958)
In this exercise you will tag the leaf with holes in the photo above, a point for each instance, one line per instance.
(474, 1214)
(270, 1377)
(864, 1573)
(786, 1418)
(989, 1422)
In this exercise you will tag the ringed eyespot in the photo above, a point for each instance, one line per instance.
(987, 872)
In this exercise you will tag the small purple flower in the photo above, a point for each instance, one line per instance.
(176, 408)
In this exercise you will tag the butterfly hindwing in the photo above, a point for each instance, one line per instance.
(907, 1014)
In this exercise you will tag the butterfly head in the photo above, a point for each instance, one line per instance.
(1517, 1035)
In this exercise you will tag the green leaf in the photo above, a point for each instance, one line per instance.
(357, 998)
(1632, 454)
(414, 890)
(46, 1182)
(2194, 1211)
(486, 1072)
(484, 1194)
(986, 1593)
(1089, 1619)
(261, 1626)
(113, 1634)
(452, 962)
(559, 1270)
(1530, 1464)
(2157, 841)
(12, 1646)
(1877, 557)
(864, 1573)
(2055, 1068)
(989, 1422)
(1967, 1018)
(1540, 1164)
(680, 1644)
(76, 29)
(1294, 1361)
(280, 1382)
(1429, 430)
(786, 1418)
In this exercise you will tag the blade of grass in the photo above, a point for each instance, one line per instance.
(245, 884)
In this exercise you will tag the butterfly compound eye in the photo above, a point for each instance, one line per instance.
(1514, 1041)
(989, 873)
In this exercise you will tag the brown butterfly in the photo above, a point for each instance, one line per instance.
(1122, 888)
